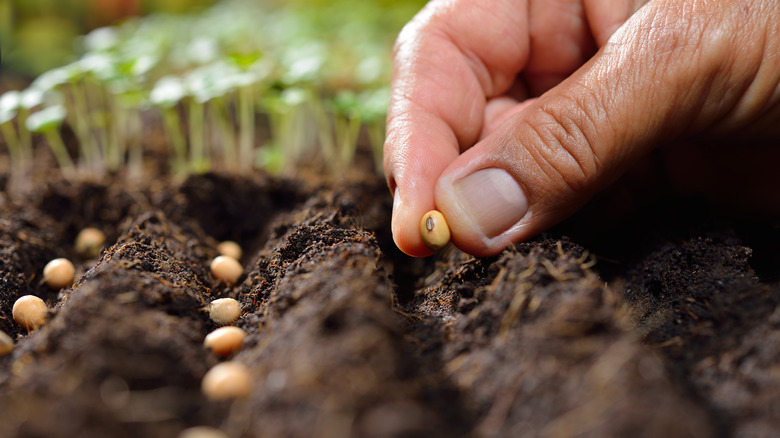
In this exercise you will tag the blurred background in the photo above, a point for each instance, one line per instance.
(38, 35)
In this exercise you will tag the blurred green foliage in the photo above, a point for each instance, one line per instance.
(37, 35)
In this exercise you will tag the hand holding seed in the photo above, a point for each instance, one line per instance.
(546, 104)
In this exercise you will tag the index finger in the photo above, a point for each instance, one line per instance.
(448, 61)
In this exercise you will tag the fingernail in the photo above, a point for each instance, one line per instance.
(492, 199)
(395, 223)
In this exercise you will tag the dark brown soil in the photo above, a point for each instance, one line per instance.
(668, 325)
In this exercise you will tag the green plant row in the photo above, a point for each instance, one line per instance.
(240, 86)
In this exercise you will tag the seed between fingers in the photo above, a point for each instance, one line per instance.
(434, 230)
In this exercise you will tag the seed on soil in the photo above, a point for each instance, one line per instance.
(434, 230)
(225, 340)
(6, 344)
(230, 249)
(88, 243)
(58, 273)
(29, 312)
(226, 269)
(202, 432)
(227, 380)
(225, 311)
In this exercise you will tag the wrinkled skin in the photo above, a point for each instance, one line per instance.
(563, 98)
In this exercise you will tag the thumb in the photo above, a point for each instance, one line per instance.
(673, 69)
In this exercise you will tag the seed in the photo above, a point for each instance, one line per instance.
(202, 432)
(225, 340)
(29, 312)
(227, 380)
(88, 242)
(230, 249)
(6, 344)
(226, 269)
(434, 230)
(224, 311)
(58, 273)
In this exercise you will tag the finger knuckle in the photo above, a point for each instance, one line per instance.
(565, 146)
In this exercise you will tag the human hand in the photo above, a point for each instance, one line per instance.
(509, 115)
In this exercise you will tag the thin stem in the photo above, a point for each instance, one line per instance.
(25, 139)
(60, 152)
(376, 136)
(12, 141)
(136, 154)
(174, 130)
(198, 160)
(246, 128)
(220, 114)
(87, 147)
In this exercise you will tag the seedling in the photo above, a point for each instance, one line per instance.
(434, 230)
(48, 121)
(226, 269)
(29, 312)
(225, 311)
(230, 249)
(227, 380)
(58, 273)
(9, 106)
(202, 432)
(88, 243)
(225, 341)
(6, 344)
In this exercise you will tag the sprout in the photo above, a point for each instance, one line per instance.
(6, 344)
(227, 380)
(203, 50)
(31, 97)
(54, 78)
(224, 341)
(47, 121)
(166, 94)
(168, 91)
(224, 311)
(29, 312)
(434, 230)
(58, 273)
(100, 39)
(88, 242)
(230, 249)
(10, 102)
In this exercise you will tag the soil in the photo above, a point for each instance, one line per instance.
(668, 324)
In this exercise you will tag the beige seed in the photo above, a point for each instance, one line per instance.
(59, 273)
(225, 311)
(226, 269)
(225, 340)
(230, 249)
(6, 343)
(29, 312)
(434, 230)
(202, 432)
(89, 242)
(227, 380)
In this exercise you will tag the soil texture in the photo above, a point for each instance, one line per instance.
(666, 325)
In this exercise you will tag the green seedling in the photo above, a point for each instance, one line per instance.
(166, 95)
(47, 122)
(9, 107)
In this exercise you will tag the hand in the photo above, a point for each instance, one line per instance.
(509, 115)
